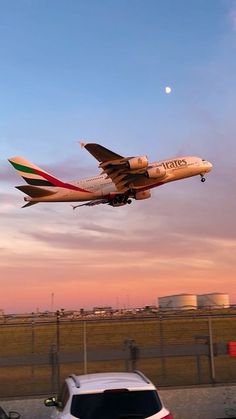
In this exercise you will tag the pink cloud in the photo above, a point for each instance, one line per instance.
(181, 240)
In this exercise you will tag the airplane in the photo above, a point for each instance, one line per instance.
(121, 180)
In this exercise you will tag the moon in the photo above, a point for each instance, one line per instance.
(168, 90)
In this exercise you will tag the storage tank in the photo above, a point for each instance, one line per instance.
(213, 300)
(178, 302)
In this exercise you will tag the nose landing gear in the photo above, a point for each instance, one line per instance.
(202, 178)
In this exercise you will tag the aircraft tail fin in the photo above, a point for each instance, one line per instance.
(32, 174)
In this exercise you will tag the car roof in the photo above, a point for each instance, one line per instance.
(98, 382)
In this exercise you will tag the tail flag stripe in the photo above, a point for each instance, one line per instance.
(21, 168)
(35, 176)
(37, 181)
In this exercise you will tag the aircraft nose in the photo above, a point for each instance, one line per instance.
(209, 166)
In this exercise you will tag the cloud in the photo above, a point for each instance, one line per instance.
(169, 240)
(7, 174)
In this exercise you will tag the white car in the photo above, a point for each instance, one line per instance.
(113, 395)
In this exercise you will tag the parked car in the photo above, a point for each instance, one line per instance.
(111, 395)
(11, 415)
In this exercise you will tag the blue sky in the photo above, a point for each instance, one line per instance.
(97, 70)
(91, 69)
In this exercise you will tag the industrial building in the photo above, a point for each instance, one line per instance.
(193, 301)
(213, 300)
(178, 302)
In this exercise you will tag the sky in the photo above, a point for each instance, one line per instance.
(83, 69)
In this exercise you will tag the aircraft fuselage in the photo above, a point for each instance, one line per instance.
(101, 186)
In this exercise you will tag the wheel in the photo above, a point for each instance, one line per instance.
(203, 179)
(129, 201)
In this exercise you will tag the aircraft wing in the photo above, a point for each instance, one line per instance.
(101, 153)
(119, 169)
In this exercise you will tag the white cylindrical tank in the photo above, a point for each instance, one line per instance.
(213, 300)
(178, 302)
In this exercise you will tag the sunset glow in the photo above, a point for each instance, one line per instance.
(90, 76)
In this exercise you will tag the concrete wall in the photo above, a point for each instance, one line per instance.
(198, 403)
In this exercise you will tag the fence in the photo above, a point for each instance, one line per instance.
(35, 356)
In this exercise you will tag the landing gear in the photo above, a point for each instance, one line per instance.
(202, 178)
(123, 199)
(120, 200)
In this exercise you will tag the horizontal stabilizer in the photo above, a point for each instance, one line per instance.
(35, 191)
(29, 204)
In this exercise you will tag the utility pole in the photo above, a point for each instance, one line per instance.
(58, 347)
(211, 350)
(85, 347)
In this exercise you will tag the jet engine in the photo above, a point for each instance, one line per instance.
(143, 195)
(138, 162)
(156, 172)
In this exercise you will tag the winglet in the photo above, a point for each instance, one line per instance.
(81, 143)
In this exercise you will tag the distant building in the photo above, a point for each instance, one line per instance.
(178, 302)
(213, 300)
(102, 310)
(192, 302)
(150, 309)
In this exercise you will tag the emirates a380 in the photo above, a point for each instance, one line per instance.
(121, 179)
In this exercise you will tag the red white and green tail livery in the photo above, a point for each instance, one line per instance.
(121, 178)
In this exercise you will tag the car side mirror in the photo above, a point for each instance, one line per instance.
(14, 415)
(51, 401)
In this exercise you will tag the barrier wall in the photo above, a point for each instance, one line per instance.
(35, 357)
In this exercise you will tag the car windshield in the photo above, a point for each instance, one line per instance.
(116, 404)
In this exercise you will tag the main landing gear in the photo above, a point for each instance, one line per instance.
(202, 178)
(121, 200)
